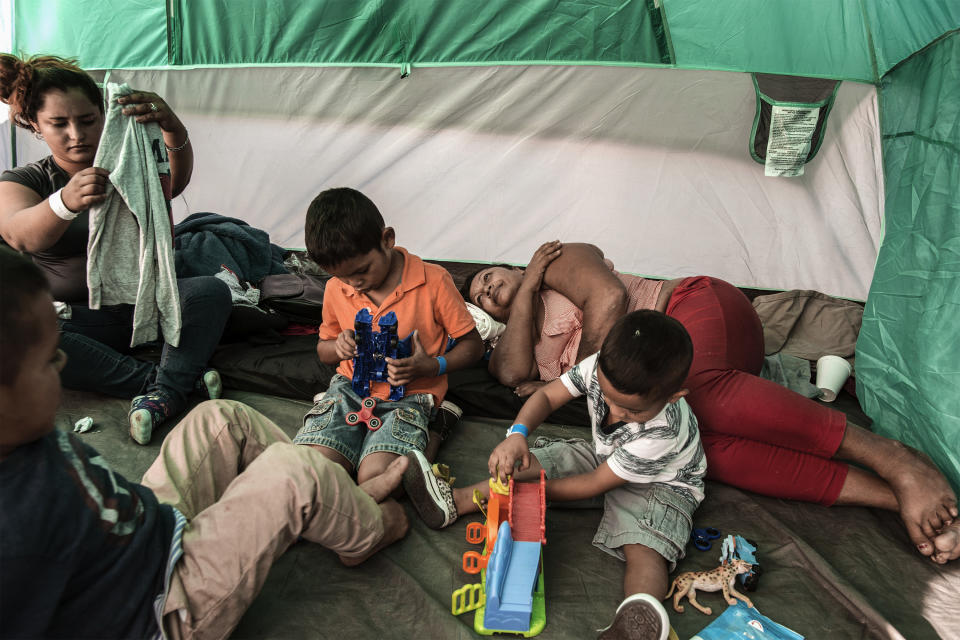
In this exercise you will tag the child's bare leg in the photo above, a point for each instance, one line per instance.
(925, 500)
(433, 445)
(641, 615)
(375, 464)
(332, 455)
(646, 571)
(395, 523)
(380, 487)
(946, 545)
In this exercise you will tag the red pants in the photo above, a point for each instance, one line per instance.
(757, 435)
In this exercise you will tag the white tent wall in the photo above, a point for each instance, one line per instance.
(485, 163)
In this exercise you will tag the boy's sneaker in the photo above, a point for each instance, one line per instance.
(210, 383)
(146, 413)
(448, 415)
(639, 617)
(431, 496)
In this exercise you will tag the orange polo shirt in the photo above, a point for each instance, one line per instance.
(426, 300)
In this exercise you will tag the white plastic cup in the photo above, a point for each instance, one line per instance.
(832, 372)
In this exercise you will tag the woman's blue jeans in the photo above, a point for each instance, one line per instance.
(97, 344)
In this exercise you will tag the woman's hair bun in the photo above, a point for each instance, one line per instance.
(15, 79)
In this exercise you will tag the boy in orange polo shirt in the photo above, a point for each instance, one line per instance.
(345, 234)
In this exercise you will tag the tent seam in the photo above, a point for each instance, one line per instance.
(871, 47)
(942, 36)
(920, 136)
(464, 64)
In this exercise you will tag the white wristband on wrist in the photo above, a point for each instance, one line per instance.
(56, 203)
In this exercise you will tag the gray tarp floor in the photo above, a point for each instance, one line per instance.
(827, 573)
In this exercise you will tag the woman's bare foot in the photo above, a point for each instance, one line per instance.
(946, 545)
(395, 525)
(380, 487)
(927, 503)
(924, 499)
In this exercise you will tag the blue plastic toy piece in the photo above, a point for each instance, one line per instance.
(373, 348)
(702, 537)
(739, 621)
(510, 582)
(736, 546)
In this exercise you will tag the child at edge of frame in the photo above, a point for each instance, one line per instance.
(88, 553)
(645, 463)
(346, 235)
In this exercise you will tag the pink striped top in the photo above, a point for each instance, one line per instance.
(556, 351)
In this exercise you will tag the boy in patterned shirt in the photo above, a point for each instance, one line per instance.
(645, 463)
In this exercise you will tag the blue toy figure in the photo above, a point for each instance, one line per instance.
(736, 546)
(373, 349)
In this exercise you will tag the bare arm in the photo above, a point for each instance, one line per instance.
(535, 410)
(420, 364)
(581, 275)
(27, 223)
(584, 485)
(513, 360)
(467, 351)
(343, 347)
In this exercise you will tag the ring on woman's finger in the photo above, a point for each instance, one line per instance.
(153, 107)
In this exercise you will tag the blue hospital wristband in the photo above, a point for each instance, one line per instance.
(518, 428)
(443, 365)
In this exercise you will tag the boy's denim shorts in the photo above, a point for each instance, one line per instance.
(404, 423)
(654, 515)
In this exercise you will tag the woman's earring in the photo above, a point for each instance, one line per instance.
(38, 135)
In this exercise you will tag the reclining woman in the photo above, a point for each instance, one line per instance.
(757, 435)
(44, 212)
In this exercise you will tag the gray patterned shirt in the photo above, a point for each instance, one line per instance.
(665, 449)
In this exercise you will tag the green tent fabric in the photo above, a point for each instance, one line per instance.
(137, 31)
(907, 354)
(212, 32)
(846, 40)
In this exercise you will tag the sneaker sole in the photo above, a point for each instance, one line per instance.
(638, 618)
(449, 407)
(421, 487)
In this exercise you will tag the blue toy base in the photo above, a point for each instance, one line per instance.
(538, 615)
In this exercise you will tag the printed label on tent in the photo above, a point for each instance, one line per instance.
(791, 130)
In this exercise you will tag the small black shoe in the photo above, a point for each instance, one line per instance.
(446, 419)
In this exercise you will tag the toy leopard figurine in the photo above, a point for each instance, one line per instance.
(721, 578)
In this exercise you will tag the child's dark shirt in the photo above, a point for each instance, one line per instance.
(82, 549)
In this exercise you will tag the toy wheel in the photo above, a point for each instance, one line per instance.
(353, 418)
(373, 424)
(369, 403)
